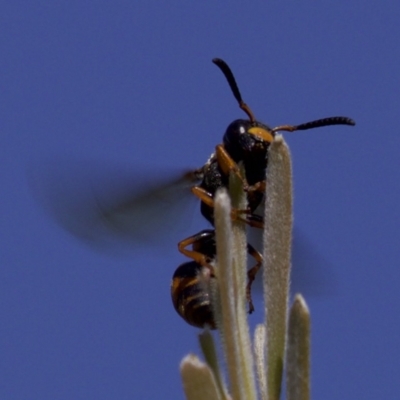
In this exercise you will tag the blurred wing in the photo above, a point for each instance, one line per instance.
(312, 274)
(104, 204)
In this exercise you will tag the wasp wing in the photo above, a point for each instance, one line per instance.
(106, 204)
(312, 274)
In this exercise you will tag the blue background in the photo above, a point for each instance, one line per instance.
(131, 82)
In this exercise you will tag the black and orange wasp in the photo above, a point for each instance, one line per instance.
(244, 147)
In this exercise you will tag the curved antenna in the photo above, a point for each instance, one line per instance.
(316, 124)
(223, 66)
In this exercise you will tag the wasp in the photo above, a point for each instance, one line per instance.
(244, 147)
(135, 214)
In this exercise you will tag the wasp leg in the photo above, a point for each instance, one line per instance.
(251, 274)
(252, 220)
(258, 187)
(203, 195)
(202, 240)
(208, 199)
(227, 165)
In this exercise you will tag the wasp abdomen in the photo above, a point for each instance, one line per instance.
(190, 292)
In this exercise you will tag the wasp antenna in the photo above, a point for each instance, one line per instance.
(325, 122)
(224, 67)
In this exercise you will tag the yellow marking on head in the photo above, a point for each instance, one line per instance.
(262, 134)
